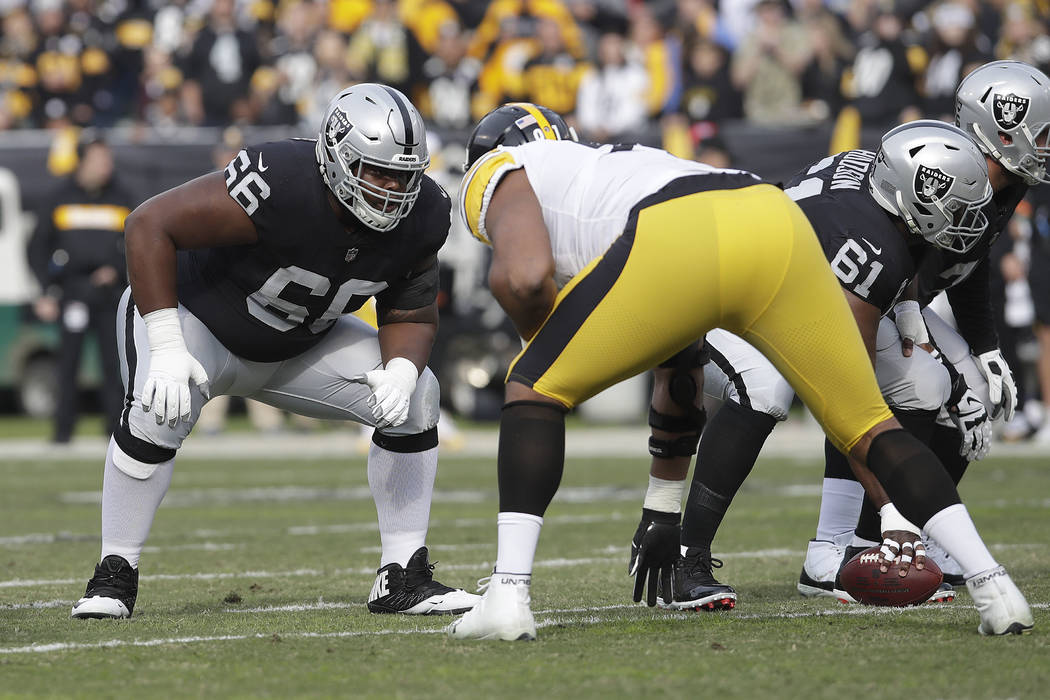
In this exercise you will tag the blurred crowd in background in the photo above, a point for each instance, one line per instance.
(671, 73)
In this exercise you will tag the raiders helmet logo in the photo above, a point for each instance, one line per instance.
(338, 127)
(1009, 110)
(931, 184)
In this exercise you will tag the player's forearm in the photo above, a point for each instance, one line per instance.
(408, 334)
(527, 306)
(151, 262)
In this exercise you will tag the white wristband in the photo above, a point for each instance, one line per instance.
(163, 330)
(893, 520)
(664, 495)
(403, 368)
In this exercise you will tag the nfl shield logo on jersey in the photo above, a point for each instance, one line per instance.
(1009, 110)
(931, 184)
(351, 254)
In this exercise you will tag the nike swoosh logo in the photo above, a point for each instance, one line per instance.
(263, 169)
(877, 251)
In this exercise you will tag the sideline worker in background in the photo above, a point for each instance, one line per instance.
(77, 254)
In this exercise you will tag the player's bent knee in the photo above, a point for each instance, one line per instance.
(136, 457)
(924, 386)
(424, 408)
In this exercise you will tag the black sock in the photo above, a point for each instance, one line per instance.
(728, 449)
(945, 443)
(911, 475)
(918, 423)
(531, 456)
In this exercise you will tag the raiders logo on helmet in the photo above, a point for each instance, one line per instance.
(1009, 110)
(338, 127)
(931, 184)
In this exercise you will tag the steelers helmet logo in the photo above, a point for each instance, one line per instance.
(1009, 110)
(931, 184)
(337, 128)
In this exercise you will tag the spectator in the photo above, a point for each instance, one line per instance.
(882, 82)
(449, 77)
(382, 50)
(552, 76)
(708, 93)
(955, 49)
(768, 65)
(611, 101)
(219, 68)
(77, 254)
(1023, 37)
(832, 52)
(333, 74)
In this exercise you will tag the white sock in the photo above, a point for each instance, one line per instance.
(955, 532)
(519, 533)
(664, 495)
(402, 485)
(128, 507)
(840, 504)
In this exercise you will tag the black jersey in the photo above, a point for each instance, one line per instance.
(276, 298)
(942, 269)
(868, 253)
(966, 276)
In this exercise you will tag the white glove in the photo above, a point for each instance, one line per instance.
(910, 324)
(971, 418)
(1002, 390)
(171, 369)
(392, 389)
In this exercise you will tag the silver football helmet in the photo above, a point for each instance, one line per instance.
(372, 125)
(1011, 100)
(932, 175)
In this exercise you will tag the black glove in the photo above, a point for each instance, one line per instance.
(654, 550)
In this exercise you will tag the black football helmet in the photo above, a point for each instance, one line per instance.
(513, 124)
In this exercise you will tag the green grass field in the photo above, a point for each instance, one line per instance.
(256, 574)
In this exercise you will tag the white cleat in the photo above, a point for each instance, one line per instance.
(503, 612)
(1002, 606)
(100, 607)
(820, 568)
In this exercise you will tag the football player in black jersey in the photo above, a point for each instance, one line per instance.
(875, 216)
(241, 284)
(1005, 107)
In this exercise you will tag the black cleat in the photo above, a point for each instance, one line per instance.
(694, 584)
(412, 590)
(111, 592)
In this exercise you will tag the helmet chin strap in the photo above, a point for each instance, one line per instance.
(992, 148)
(908, 218)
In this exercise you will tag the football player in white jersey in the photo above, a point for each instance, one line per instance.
(609, 260)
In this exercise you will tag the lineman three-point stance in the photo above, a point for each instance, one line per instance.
(611, 259)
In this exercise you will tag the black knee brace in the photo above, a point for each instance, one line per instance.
(683, 390)
(138, 449)
(911, 475)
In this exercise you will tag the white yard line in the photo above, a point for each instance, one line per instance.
(592, 616)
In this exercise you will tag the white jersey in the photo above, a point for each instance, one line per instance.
(586, 192)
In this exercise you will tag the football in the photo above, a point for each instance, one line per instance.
(862, 579)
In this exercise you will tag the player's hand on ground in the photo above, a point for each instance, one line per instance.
(971, 418)
(392, 389)
(654, 550)
(167, 389)
(903, 548)
(1002, 390)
